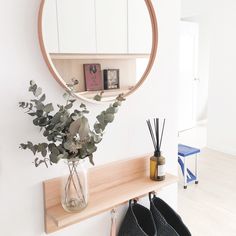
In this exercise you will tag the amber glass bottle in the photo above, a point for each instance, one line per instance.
(157, 167)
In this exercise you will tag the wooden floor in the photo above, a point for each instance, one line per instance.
(209, 208)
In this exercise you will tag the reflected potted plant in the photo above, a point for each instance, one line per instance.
(69, 138)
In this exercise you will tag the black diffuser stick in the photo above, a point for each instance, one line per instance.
(157, 135)
(155, 127)
(163, 127)
(151, 132)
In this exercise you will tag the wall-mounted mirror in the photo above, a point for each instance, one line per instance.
(106, 45)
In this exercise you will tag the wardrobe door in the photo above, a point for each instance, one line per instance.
(111, 26)
(76, 24)
(50, 31)
(139, 28)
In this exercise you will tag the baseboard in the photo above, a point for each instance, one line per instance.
(229, 151)
(201, 122)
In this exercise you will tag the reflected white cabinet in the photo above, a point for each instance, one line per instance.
(139, 28)
(111, 26)
(76, 26)
(50, 32)
(97, 26)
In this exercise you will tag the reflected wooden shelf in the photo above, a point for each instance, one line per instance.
(106, 93)
(75, 56)
(110, 185)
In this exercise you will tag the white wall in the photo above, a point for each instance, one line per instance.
(222, 96)
(20, 59)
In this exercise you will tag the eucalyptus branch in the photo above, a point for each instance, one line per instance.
(68, 133)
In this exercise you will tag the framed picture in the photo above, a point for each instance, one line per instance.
(93, 77)
(111, 79)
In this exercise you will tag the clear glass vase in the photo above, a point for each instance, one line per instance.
(74, 187)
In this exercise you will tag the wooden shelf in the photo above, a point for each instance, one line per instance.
(106, 93)
(74, 56)
(110, 185)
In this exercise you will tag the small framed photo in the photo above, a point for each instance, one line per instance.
(93, 77)
(111, 79)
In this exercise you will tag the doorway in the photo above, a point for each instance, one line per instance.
(188, 75)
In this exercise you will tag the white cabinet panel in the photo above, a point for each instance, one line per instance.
(139, 27)
(111, 26)
(50, 33)
(76, 20)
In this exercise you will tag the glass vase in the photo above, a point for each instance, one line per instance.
(74, 187)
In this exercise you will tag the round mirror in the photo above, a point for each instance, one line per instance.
(107, 46)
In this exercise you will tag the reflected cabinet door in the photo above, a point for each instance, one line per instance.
(139, 28)
(111, 26)
(50, 27)
(76, 25)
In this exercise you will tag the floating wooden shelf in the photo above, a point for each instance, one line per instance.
(75, 56)
(110, 185)
(106, 93)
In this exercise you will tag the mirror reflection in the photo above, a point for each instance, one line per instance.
(105, 45)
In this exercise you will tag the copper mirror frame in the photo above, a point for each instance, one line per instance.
(58, 78)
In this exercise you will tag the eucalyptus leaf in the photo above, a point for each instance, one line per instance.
(51, 146)
(44, 145)
(33, 88)
(36, 121)
(23, 146)
(55, 151)
(116, 104)
(39, 112)
(50, 137)
(112, 110)
(32, 113)
(42, 121)
(97, 128)
(30, 144)
(82, 105)
(32, 82)
(22, 104)
(96, 138)
(38, 92)
(97, 97)
(91, 148)
(85, 111)
(101, 118)
(91, 159)
(75, 81)
(38, 162)
(69, 106)
(62, 156)
(39, 147)
(44, 152)
(48, 108)
(43, 97)
(39, 105)
(109, 117)
(53, 158)
(66, 96)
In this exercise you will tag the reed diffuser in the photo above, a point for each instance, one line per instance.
(157, 161)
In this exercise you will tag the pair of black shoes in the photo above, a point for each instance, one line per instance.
(160, 220)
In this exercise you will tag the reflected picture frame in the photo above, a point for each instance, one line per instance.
(111, 78)
(93, 77)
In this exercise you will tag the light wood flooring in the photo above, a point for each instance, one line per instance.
(209, 208)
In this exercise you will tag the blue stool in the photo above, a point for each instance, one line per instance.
(183, 152)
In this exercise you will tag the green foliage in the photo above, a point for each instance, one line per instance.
(68, 134)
